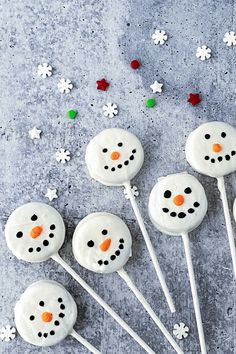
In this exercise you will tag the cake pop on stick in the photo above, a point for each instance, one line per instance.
(102, 243)
(45, 315)
(35, 232)
(211, 150)
(114, 157)
(177, 205)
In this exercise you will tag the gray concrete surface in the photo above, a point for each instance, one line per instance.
(86, 41)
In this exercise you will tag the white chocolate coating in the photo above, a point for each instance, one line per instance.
(45, 313)
(102, 243)
(114, 157)
(211, 149)
(25, 222)
(177, 204)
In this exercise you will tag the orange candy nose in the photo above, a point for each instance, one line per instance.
(46, 316)
(105, 245)
(115, 155)
(216, 147)
(178, 200)
(36, 231)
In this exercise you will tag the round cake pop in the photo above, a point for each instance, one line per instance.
(45, 313)
(177, 204)
(34, 232)
(211, 149)
(102, 243)
(114, 156)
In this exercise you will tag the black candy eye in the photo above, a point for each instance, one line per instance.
(41, 303)
(167, 194)
(19, 234)
(90, 243)
(120, 144)
(104, 232)
(32, 318)
(223, 134)
(34, 217)
(207, 136)
(188, 190)
(104, 150)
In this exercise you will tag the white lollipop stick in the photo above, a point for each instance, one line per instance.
(150, 247)
(148, 308)
(194, 292)
(84, 342)
(101, 302)
(221, 187)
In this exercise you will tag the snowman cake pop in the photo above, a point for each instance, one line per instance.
(114, 157)
(177, 205)
(46, 313)
(34, 233)
(211, 150)
(102, 243)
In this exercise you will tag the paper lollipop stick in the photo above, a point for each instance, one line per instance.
(102, 243)
(46, 314)
(34, 233)
(211, 150)
(177, 205)
(114, 157)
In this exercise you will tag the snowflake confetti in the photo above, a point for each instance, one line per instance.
(63, 156)
(65, 86)
(134, 190)
(203, 52)
(51, 194)
(102, 84)
(159, 37)
(230, 38)
(110, 110)
(156, 87)
(180, 330)
(34, 133)
(7, 333)
(44, 70)
(194, 98)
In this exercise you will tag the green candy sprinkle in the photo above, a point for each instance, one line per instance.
(150, 103)
(72, 114)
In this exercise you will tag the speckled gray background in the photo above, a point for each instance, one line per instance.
(86, 41)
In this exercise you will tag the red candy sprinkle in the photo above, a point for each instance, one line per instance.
(194, 98)
(102, 84)
(134, 64)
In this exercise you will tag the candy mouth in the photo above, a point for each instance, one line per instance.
(115, 255)
(181, 215)
(220, 158)
(121, 165)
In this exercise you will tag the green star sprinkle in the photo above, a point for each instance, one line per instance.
(72, 114)
(150, 102)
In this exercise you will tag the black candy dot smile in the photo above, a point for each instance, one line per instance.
(226, 157)
(181, 215)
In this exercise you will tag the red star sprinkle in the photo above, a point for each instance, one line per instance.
(135, 64)
(194, 98)
(102, 84)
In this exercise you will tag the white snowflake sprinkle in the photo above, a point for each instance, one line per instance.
(203, 52)
(180, 330)
(230, 38)
(7, 333)
(44, 70)
(51, 194)
(134, 190)
(34, 133)
(156, 87)
(63, 155)
(65, 86)
(110, 110)
(159, 37)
